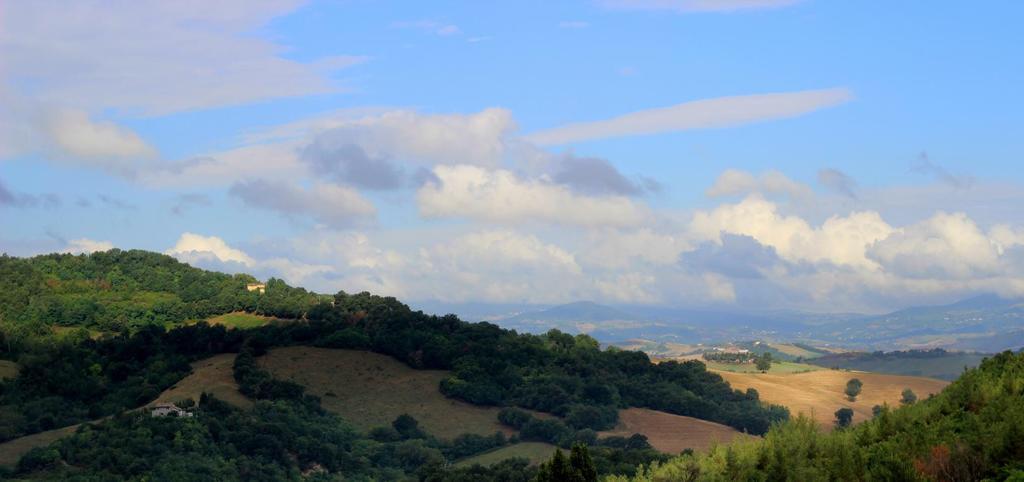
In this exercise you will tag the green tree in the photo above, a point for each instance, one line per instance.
(853, 388)
(764, 362)
(582, 464)
(579, 467)
(844, 417)
(555, 470)
(908, 397)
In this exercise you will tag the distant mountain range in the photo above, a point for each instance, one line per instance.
(986, 323)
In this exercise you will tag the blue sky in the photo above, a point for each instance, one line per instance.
(862, 155)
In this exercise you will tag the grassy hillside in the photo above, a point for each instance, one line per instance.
(371, 390)
(534, 452)
(12, 451)
(820, 393)
(212, 375)
(782, 367)
(672, 433)
(240, 319)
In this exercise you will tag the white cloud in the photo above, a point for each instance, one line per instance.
(701, 114)
(501, 196)
(428, 139)
(269, 161)
(699, 5)
(496, 265)
(154, 57)
(406, 137)
(618, 249)
(195, 248)
(79, 136)
(840, 240)
(67, 136)
(86, 246)
(941, 247)
(733, 182)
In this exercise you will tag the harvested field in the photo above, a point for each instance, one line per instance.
(820, 393)
(370, 390)
(213, 375)
(672, 433)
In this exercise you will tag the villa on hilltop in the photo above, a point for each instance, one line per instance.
(262, 288)
(168, 409)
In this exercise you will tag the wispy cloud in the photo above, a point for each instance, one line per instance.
(701, 114)
(151, 58)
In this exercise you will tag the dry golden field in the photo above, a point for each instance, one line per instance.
(672, 433)
(820, 393)
(370, 390)
(213, 375)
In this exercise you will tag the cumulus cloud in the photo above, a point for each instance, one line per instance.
(734, 182)
(196, 248)
(212, 252)
(840, 240)
(86, 246)
(497, 265)
(502, 196)
(685, 6)
(329, 204)
(941, 247)
(838, 181)
(701, 114)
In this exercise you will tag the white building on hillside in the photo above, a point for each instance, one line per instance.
(168, 409)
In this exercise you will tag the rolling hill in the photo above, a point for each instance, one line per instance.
(371, 390)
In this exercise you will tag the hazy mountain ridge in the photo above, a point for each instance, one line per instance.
(986, 323)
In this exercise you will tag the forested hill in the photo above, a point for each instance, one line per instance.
(66, 380)
(123, 290)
